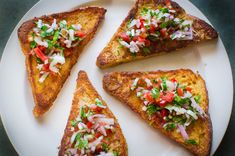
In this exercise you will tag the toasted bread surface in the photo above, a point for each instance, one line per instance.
(114, 54)
(118, 84)
(45, 93)
(86, 94)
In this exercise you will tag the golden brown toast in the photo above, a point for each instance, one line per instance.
(45, 93)
(86, 95)
(199, 131)
(114, 53)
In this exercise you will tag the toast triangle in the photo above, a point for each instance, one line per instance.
(46, 92)
(199, 131)
(86, 95)
(114, 53)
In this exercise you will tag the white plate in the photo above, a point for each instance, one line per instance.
(42, 137)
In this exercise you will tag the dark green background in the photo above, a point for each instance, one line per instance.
(219, 12)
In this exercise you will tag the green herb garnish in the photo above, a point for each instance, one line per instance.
(191, 141)
(152, 108)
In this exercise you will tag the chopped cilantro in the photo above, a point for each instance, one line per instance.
(115, 153)
(164, 10)
(39, 61)
(44, 28)
(164, 84)
(145, 10)
(146, 50)
(152, 108)
(82, 112)
(33, 44)
(191, 141)
(56, 35)
(180, 101)
(74, 123)
(43, 34)
(197, 98)
(169, 126)
(98, 102)
(152, 38)
(105, 147)
(155, 93)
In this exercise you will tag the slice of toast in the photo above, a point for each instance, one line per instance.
(147, 93)
(46, 88)
(86, 120)
(116, 53)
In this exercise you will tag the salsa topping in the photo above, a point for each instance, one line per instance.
(90, 129)
(170, 102)
(154, 26)
(50, 44)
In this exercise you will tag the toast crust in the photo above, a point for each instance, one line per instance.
(45, 94)
(86, 92)
(117, 84)
(113, 54)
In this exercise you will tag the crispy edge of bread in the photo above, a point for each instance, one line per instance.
(42, 106)
(84, 85)
(107, 58)
(112, 87)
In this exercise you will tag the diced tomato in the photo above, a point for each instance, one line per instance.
(46, 67)
(142, 23)
(168, 2)
(140, 39)
(168, 96)
(97, 135)
(152, 28)
(148, 97)
(147, 43)
(159, 81)
(189, 89)
(108, 131)
(173, 80)
(40, 54)
(164, 112)
(144, 35)
(89, 125)
(162, 103)
(80, 34)
(96, 109)
(125, 37)
(180, 92)
(150, 87)
(42, 48)
(163, 32)
(135, 38)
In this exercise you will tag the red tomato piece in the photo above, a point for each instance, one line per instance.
(162, 103)
(152, 28)
(164, 112)
(125, 37)
(97, 135)
(180, 92)
(173, 80)
(46, 67)
(40, 54)
(147, 43)
(148, 97)
(168, 2)
(189, 89)
(89, 125)
(140, 39)
(80, 34)
(163, 32)
(168, 96)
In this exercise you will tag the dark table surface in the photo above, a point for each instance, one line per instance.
(219, 12)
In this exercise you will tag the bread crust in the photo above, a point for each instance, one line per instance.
(113, 54)
(46, 93)
(85, 90)
(117, 84)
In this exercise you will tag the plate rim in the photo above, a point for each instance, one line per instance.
(80, 3)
